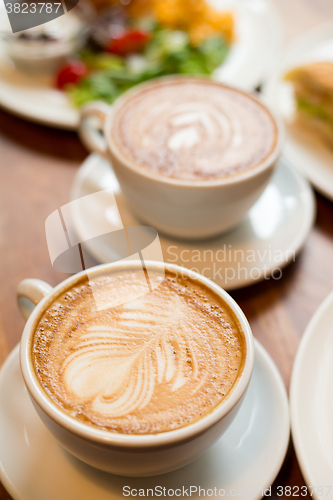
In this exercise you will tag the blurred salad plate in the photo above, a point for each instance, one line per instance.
(230, 41)
(29, 59)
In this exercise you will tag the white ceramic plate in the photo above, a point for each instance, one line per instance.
(33, 466)
(270, 236)
(311, 403)
(259, 36)
(304, 150)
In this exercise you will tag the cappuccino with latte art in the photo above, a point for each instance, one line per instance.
(155, 364)
(191, 155)
(193, 130)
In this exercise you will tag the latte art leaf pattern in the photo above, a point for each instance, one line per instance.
(150, 365)
(103, 366)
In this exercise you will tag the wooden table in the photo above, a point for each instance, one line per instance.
(37, 167)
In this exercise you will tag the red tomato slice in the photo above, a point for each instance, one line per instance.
(130, 41)
(71, 73)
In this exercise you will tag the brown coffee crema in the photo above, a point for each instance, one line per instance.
(151, 365)
(193, 130)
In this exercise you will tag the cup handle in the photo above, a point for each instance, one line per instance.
(91, 127)
(29, 293)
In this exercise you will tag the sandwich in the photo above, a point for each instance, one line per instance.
(313, 87)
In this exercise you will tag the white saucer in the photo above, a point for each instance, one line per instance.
(311, 402)
(303, 149)
(33, 466)
(270, 236)
(259, 35)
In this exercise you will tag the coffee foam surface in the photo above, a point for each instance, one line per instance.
(194, 130)
(151, 365)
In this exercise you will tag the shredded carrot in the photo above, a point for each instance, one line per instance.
(196, 17)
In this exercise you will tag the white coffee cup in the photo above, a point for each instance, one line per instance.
(127, 455)
(180, 208)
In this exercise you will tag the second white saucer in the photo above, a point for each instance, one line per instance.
(273, 232)
(244, 462)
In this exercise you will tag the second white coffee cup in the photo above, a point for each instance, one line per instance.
(180, 208)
